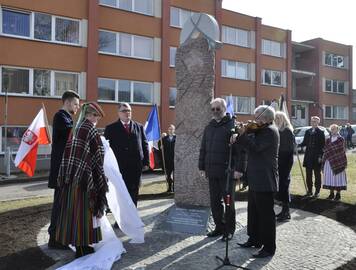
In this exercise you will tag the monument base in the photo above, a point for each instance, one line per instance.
(187, 219)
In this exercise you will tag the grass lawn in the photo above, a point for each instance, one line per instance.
(348, 196)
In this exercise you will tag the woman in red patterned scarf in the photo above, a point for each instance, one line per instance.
(83, 184)
(335, 162)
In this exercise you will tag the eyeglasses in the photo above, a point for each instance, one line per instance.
(125, 111)
(215, 109)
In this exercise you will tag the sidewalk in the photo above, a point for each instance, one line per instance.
(26, 187)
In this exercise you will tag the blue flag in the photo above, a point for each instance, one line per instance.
(152, 128)
(230, 105)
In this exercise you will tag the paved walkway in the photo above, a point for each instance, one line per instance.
(308, 241)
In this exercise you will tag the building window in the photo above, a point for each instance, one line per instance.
(16, 23)
(37, 82)
(106, 88)
(172, 56)
(128, 45)
(335, 86)
(354, 113)
(273, 48)
(235, 36)
(139, 6)
(242, 105)
(334, 60)
(127, 91)
(335, 112)
(235, 70)
(180, 16)
(13, 138)
(172, 97)
(272, 77)
(44, 27)
(294, 111)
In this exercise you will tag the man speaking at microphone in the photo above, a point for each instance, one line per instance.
(213, 164)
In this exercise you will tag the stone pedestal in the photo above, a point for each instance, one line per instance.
(195, 90)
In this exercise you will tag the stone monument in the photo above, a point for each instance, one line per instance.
(195, 74)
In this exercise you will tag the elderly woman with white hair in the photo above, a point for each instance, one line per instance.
(334, 164)
(262, 176)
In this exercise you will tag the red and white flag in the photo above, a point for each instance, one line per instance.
(36, 134)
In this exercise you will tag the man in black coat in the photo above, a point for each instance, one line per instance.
(314, 140)
(262, 175)
(169, 142)
(128, 141)
(62, 126)
(349, 132)
(213, 163)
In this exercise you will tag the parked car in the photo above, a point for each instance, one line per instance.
(300, 132)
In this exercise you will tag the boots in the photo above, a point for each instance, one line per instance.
(284, 214)
(83, 250)
(331, 195)
(170, 185)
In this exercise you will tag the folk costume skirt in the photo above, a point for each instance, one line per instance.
(332, 181)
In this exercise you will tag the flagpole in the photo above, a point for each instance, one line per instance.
(6, 155)
(162, 147)
(46, 123)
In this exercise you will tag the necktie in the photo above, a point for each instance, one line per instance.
(127, 128)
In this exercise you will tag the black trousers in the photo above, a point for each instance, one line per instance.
(317, 175)
(132, 178)
(217, 190)
(285, 164)
(54, 213)
(261, 221)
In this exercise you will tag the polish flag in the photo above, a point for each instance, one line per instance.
(153, 135)
(36, 134)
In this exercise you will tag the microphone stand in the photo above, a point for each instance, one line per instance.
(227, 201)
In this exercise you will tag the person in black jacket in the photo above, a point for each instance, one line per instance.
(285, 162)
(349, 132)
(314, 140)
(62, 126)
(169, 142)
(262, 174)
(213, 163)
(128, 141)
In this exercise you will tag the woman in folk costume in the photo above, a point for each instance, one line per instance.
(83, 184)
(335, 162)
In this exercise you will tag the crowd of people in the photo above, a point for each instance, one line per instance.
(260, 154)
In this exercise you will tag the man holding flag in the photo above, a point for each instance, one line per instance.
(128, 141)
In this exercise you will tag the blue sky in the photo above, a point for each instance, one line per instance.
(328, 19)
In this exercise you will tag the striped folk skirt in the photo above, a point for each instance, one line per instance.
(332, 181)
(76, 225)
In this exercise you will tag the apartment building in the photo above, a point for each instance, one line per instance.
(124, 50)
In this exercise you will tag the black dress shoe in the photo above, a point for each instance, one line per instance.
(249, 244)
(83, 250)
(52, 244)
(284, 217)
(262, 254)
(229, 237)
(214, 233)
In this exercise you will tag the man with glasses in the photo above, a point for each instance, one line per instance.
(213, 163)
(128, 141)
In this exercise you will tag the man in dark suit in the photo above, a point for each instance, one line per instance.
(314, 140)
(62, 126)
(128, 141)
(169, 142)
(262, 175)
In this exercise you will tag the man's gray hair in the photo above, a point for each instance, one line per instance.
(123, 104)
(265, 113)
(221, 102)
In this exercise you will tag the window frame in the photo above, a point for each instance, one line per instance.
(180, 16)
(334, 109)
(31, 82)
(117, 6)
(237, 63)
(237, 41)
(169, 96)
(269, 44)
(332, 56)
(172, 65)
(271, 77)
(32, 27)
(332, 90)
(132, 44)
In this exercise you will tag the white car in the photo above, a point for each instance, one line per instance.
(300, 132)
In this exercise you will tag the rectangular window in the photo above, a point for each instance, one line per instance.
(235, 36)
(127, 91)
(235, 70)
(294, 111)
(41, 82)
(242, 105)
(65, 81)
(16, 23)
(335, 86)
(139, 6)
(172, 56)
(129, 45)
(354, 113)
(43, 26)
(272, 48)
(328, 85)
(272, 77)
(179, 16)
(67, 30)
(334, 60)
(15, 80)
(106, 88)
(172, 96)
(13, 137)
(335, 112)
